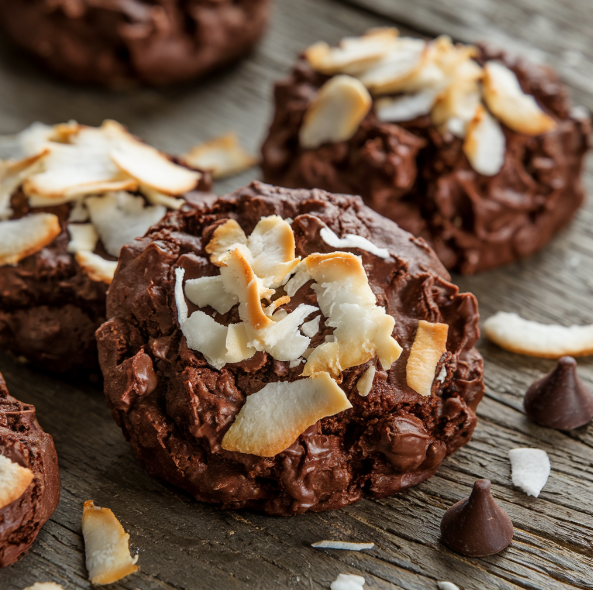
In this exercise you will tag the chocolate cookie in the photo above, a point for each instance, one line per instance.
(478, 153)
(118, 42)
(288, 350)
(76, 197)
(29, 477)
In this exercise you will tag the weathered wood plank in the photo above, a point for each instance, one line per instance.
(185, 545)
(547, 31)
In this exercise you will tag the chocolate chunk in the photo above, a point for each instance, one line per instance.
(119, 42)
(24, 442)
(477, 526)
(560, 399)
(388, 441)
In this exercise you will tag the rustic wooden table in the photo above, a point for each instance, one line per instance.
(184, 545)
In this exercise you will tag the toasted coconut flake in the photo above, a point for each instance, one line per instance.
(210, 291)
(96, 267)
(392, 73)
(226, 237)
(485, 143)
(22, 237)
(407, 106)
(152, 168)
(120, 217)
(14, 481)
(507, 101)
(157, 198)
(78, 168)
(351, 241)
(457, 105)
(83, 236)
(240, 280)
(552, 341)
(530, 469)
(12, 174)
(273, 418)
(270, 311)
(362, 330)
(335, 114)
(347, 582)
(365, 381)
(447, 586)
(108, 556)
(272, 246)
(429, 346)
(223, 156)
(342, 545)
(353, 54)
(45, 586)
(86, 160)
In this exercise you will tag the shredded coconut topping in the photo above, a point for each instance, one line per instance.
(93, 167)
(252, 270)
(414, 77)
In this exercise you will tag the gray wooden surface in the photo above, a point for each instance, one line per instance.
(184, 545)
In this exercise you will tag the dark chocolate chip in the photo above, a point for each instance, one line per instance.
(560, 399)
(477, 526)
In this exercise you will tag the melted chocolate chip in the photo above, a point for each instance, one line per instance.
(560, 399)
(477, 526)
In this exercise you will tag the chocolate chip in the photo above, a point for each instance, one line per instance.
(477, 526)
(560, 399)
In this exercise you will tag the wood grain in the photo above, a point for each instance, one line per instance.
(184, 545)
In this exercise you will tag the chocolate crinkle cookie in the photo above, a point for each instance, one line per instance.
(67, 206)
(479, 153)
(119, 42)
(288, 350)
(29, 477)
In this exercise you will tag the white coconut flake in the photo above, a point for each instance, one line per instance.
(120, 217)
(83, 236)
(485, 143)
(365, 381)
(312, 327)
(342, 545)
(79, 213)
(447, 586)
(298, 280)
(210, 291)
(407, 106)
(182, 309)
(530, 469)
(352, 241)
(511, 332)
(442, 374)
(348, 582)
